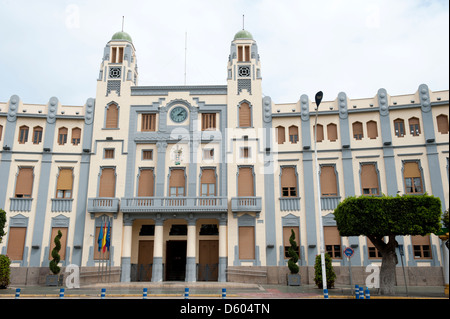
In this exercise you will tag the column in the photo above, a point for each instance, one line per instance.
(191, 266)
(222, 277)
(157, 270)
(126, 250)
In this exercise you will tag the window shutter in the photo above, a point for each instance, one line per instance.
(288, 177)
(369, 176)
(332, 132)
(16, 242)
(24, 183)
(107, 183)
(411, 170)
(112, 116)
(76, 135)
(245, 182)
(372, 131)
(246, 242)
(442, 123)
(244, 115)
(146, 182)
(319, 132)
(281, 134)
(328, 183)
(65, 179)
(177, 178)
(358, 130)
(63, 241)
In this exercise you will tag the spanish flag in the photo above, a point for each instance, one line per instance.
(104, 238)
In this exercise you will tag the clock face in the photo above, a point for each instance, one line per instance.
(178, 114)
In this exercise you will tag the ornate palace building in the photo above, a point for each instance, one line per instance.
(206, 182)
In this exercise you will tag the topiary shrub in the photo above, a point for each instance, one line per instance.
(331, 276)
(293, 256)
(55, 254)
(5, 271)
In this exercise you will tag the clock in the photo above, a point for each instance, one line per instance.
(178, 114)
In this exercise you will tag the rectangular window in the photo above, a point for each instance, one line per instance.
(328, 180)
(247, 242)
(247, 53)
(63, 241)
(208, 121)
(413, 178)
(369, 179)
(240, 54)
(288, 182)
(177, 182)
(208, 182)
(372, 250)
(120, 60)
(147, 154)
(245, 152)
(64, 183)
(24, 182)
(146, 182)
(148, 122)
(332, 241)
(107, 187)
(113, 54)
(245, 182)
(16, 242)
(109, 153)
(421, 247)
(286, 235)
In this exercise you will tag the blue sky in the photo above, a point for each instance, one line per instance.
(54, 48)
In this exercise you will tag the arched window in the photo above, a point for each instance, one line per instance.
(319, 132)
(76, 135)
(332, 132)
(281, 134)
(372, 130)
(62, 135)
(358, 130)
(414, 126)
(37, 134)
(442, 123)
(23, 134)
(293, 134)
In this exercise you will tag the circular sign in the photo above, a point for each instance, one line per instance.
(348, 252)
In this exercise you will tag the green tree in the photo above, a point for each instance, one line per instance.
(2, 224)
(387, 216)
(292, 252)
(55, 254)
(331, 275)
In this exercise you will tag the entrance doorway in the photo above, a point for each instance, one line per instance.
(176, 260)
(145, 260)
(208, 260)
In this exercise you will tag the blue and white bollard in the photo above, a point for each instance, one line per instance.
(367, 293)
(144, 293)
(356, 292)
(17, 293)
(361, 292)
(224, 293)
(103, 293)
(325, 293)
(61, 293)
(186, 293)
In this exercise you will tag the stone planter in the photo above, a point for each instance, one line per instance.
(54, 280)
(293, 280)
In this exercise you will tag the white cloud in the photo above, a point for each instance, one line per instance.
(55, 48)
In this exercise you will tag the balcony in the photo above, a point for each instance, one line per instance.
(20, 204)
(62, 204)
(246, 204)
(174, 204)
(289, 203)
(103, 205)
(329, 202)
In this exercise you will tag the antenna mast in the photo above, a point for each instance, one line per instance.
(243, 22)
(185, 56)
(123, 18)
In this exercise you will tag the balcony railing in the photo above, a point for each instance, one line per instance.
(330, 202)
(103, 205)
(62, 204)
(289, 203)
(20, 204)
(246, 204)
(174, 204)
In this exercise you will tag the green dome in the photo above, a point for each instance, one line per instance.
(243, 34)
(121, 36)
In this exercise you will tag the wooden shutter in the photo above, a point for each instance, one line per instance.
(331, 235)
(372, 131)
(411, 170)
(113, 54)
(24, 182)
(63, 240)
(76, 135)
(245, 182)
(369, 176)
(442, 123)
(358, 130)
(148, 122)
(65, 179)
(107, 183)
(177, 178)
(247, 53)
(112, 116)
(16, 242)
(208, 176)
(208, 121)
(287, 235)
(146, 182)
(245, 115)
(328, 182)
(246, 242)
(240, 53)
(288, 177)
(120, 55)
(319, 132)
(332, 132)
(281, 134)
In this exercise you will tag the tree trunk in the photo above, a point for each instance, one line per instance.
(388, 263)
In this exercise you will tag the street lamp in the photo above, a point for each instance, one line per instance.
(318, 98)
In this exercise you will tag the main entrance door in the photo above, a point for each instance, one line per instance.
(208, 260)
(145, 260)
(176, 260)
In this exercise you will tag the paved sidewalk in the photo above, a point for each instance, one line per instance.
(176, 290)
